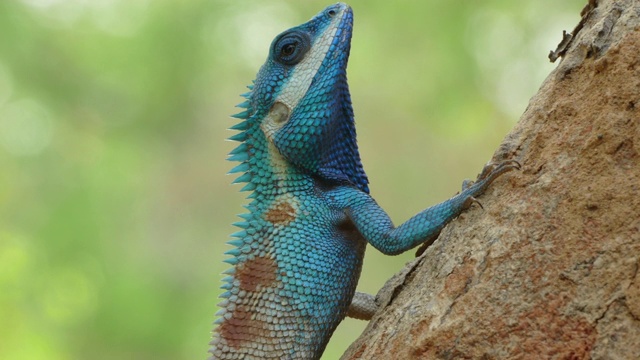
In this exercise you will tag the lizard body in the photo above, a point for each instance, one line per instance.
(297, 257)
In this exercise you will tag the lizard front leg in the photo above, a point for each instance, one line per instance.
(423, 228)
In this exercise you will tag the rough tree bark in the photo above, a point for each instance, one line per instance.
(550, 268)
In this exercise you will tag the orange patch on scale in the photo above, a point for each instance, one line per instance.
(245, 326)
(281, 213)
(259, 271)
(242, 328)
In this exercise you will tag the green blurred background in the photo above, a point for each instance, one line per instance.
(114, 203)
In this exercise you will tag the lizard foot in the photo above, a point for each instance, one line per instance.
(470, 190)
(492, 171)
(489, 173)
(471, 200)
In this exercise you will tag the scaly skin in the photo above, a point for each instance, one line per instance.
(297, 258)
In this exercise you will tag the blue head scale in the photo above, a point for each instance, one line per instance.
(306, 105)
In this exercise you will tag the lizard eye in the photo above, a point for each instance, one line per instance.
(290, 48)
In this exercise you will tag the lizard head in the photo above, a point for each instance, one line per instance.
(300, 106)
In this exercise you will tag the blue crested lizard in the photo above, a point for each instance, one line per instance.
(297, 257)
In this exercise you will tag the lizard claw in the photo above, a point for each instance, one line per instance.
(492, 170)
(489, 173)
(471, 200)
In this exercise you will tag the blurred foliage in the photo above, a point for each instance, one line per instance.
(114, 204)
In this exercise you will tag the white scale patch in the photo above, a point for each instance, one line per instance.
(306, 70)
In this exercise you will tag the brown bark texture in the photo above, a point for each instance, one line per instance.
(550, 268)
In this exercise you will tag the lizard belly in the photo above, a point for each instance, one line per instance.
(290, 293)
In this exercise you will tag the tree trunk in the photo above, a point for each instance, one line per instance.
(549, 268)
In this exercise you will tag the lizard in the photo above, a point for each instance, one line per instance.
(297, 257)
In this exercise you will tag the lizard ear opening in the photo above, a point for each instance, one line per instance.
(277, 117)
